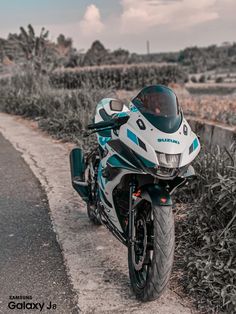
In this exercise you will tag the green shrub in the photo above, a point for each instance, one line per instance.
(62, 113)
(206, 237)
(193, 79)
(202, 79)
(219, 79)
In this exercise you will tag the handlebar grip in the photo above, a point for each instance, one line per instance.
(102, 124)
(115, 122)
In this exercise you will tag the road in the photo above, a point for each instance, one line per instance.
(31, 261)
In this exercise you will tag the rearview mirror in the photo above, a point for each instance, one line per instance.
(116, 105)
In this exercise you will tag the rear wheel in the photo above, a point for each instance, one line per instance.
(150, 259)
(92, 206)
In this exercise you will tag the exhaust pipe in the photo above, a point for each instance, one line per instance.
(77, 168)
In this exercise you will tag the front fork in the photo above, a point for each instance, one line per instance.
(156, 194)
(131, 214)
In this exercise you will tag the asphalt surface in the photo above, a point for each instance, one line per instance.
(31, 262)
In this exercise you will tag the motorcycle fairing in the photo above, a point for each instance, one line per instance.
(144, 141)
(104, 113)
(151, 140)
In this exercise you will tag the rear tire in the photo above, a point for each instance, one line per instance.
(150, 282)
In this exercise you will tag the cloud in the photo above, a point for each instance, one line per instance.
(168, 24)
(91, 23)
(176, 14)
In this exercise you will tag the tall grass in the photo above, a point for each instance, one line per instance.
(62, 113)
(207, 233)
(119, 77)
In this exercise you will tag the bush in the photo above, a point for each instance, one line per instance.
(206, 242)
(219, 79)
(193, 79)
(202, 79)
(62, 113)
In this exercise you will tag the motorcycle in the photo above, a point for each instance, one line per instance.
(144, 153)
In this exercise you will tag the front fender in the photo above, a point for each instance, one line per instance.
(156, 194)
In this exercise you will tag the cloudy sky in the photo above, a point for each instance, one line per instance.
(169, 25)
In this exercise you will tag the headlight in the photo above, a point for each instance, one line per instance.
(168, 160)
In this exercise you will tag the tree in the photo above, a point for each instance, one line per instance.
(37, 50)
(193, 79)
(96, 54)
(219, 79)
(119, 56)
(202, 79)
(63, 41)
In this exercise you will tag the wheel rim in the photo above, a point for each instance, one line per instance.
(141, 256)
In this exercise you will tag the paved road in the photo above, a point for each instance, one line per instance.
(31, 262)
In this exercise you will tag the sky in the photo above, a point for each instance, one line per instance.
(169, 25)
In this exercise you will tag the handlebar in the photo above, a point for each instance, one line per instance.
(113, 123)
(99, 125)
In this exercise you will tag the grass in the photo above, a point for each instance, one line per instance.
(211, 88)
(211, 107)
(206, 234)
(62, 113)
(218, 108)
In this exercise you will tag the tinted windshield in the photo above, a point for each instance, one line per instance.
(159, 105)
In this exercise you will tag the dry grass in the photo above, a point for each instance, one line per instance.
(211, 107)
(219, 108)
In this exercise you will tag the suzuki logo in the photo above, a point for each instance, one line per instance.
(168, 140)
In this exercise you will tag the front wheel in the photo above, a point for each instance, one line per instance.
(150, 258)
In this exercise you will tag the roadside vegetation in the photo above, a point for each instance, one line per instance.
(62, 113)
(219, 108)
(206, 232)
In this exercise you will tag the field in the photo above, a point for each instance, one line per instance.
(213, 107)
(63, 103)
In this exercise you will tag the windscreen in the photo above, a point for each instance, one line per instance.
(159, 105)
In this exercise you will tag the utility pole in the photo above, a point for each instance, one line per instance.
(148, 47)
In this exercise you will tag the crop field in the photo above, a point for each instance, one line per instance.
(63, 103)
(128, 77)
(213, 107)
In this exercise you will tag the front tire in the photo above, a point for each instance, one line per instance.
(150, 279)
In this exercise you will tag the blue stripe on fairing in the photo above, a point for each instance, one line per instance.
(103, 140)
(195, 143)
(132, 137)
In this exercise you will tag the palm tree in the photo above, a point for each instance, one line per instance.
(36, 49)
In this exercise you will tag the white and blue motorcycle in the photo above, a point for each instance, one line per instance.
(144, 153)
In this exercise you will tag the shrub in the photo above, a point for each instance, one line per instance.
(62, 113)
(219, 79)
(202, 79)
(193, 79)
(206, 242)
